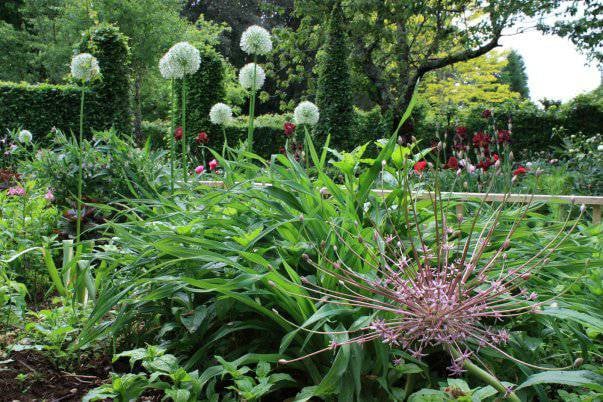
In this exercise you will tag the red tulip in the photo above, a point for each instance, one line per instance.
(289, 129)
(178, 134)
(520, 170)
(202, 138)
(213, 164)
(420, 166)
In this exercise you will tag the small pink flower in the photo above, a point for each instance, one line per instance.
(213, 164)
(17, 191)
(49, 196)
(199, 169)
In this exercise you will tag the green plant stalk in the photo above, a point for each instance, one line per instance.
(171, 135)
(225, 145)
(183, 139)
(486, 377)
(80, 169)
(251, 108)
(306, 156)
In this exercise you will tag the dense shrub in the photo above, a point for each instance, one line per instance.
(39, 107)
(113, 101)
(334, 95)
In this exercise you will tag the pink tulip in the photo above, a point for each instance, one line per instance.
(213, 164)
(199, 169)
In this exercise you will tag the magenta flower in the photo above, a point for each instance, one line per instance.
(213, 164)
(49, 196)
(199, 169)
(16, 191)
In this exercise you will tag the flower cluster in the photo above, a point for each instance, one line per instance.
(220, 114)
(252, 73)
(446, 293)
(306, 113)
(16, 191)
(84, 67)
(182, 59)
(256, 40)
(25, 136)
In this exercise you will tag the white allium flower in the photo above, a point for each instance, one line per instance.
(246, 76)
(220, 114)
(306, 113)
(84, 67)
(256, 40)
(25, 136)
(165, 67)
(183, 59)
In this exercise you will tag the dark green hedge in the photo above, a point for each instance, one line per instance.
(39, 107)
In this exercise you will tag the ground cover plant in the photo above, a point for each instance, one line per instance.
(270, 259)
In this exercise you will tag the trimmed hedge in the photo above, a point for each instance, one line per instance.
(39, 107)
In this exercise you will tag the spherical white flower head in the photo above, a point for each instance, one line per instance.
(84, 67)
(256, 40)
(165, 67)
(246, 76)
(183, 59)
(220, 114)
(25, 136)
(306, 113)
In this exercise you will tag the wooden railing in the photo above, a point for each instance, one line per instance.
(589, 201)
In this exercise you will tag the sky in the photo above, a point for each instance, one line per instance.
(556, 70)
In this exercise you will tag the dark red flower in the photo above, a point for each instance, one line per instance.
(289, 129)
(202, 138)
(461, 131)
(452, 163)
(282, 150)
(495, 156)
(481, 140)
(520, 170)
(178, 134)
(504, 136)
(420, 166)
(487, 113)
(459, 146)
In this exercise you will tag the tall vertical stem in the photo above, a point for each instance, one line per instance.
(80, 169)
(252, 107)
(171, 134)
(225, 142)
(183, 139)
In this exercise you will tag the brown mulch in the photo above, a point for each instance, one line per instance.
(44, 382)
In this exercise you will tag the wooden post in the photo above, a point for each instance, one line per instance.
(596, 214)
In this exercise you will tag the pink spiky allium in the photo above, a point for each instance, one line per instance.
(451, 294)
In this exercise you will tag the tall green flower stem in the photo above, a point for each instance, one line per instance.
(225, 145)
(80, 170)
(306, 155)
(183, 139)
(486, 377)
(171, 135)
(252, 107)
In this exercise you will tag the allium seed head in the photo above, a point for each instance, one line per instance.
(84, 67)
(306, 113)
(256, 40)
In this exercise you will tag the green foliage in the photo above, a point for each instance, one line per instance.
(334, 96)
(113, 167)
(514, 74)
(112, 100)
(25, 221)
(41, 107)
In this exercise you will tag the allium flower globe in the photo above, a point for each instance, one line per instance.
(256, 40)
(182, 59)
(220, 114)
(306, 113)
(165, 67)
(25, 136)
(84, 67)
(246, 76)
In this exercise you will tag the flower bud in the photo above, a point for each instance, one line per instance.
(383, 163)
(465, 185)
(582, 208)
(511, 157)
(578, 362)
